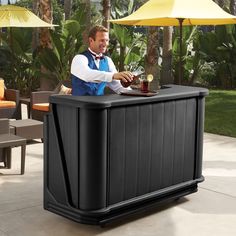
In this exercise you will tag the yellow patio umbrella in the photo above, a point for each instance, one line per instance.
(15, 16)
(178, 13)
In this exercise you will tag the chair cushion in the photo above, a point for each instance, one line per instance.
(7, 104)
(2, 88)
(41, 106)
(64, 90)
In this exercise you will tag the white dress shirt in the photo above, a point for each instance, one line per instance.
(80, 68)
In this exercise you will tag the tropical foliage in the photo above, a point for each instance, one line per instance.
(127, 48)
(17, 64)
(208, 52)
(208, 55)
(127, 44)
(190, 55)
(66, 42)
(218, 49)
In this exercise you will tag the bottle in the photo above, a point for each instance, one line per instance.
(127, 84)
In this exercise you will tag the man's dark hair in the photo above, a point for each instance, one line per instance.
(95, 29)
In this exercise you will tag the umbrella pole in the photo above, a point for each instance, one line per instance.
(180, 49)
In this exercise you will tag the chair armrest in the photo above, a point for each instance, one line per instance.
(12, 95)
(40, 96)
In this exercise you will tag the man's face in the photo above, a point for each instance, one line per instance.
(99, 45)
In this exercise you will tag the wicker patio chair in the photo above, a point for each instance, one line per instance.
(40, 100)
(9, 102)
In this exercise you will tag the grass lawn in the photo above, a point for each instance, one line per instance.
(221, 112)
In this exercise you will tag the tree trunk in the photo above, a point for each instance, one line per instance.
(106, 4)
(87, 8)
(151, 60)
(35, 32)
(166, 71)
(233, 7)
(45, 11)
(67, 8)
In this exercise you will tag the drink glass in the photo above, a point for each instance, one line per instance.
(138, 72)
(144, 84)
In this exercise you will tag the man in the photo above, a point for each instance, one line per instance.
(91, 71)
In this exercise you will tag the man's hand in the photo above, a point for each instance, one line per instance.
(125, 76)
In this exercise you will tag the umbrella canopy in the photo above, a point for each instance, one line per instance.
(167, 13)
(178, 13)
(14, 16)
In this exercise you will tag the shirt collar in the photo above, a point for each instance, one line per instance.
(96, 56)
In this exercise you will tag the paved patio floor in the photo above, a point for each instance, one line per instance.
(210, 211)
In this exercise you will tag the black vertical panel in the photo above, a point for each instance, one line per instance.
(93, 159)
(145, 128)
(180, 126)
(68, 123)
(131, 151)
(168, 144)
(117, 154)
(157, 145)
(199, 136)
(190, 137)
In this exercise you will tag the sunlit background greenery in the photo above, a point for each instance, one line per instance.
(221, 112)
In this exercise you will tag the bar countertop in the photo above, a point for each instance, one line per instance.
(168, 92)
